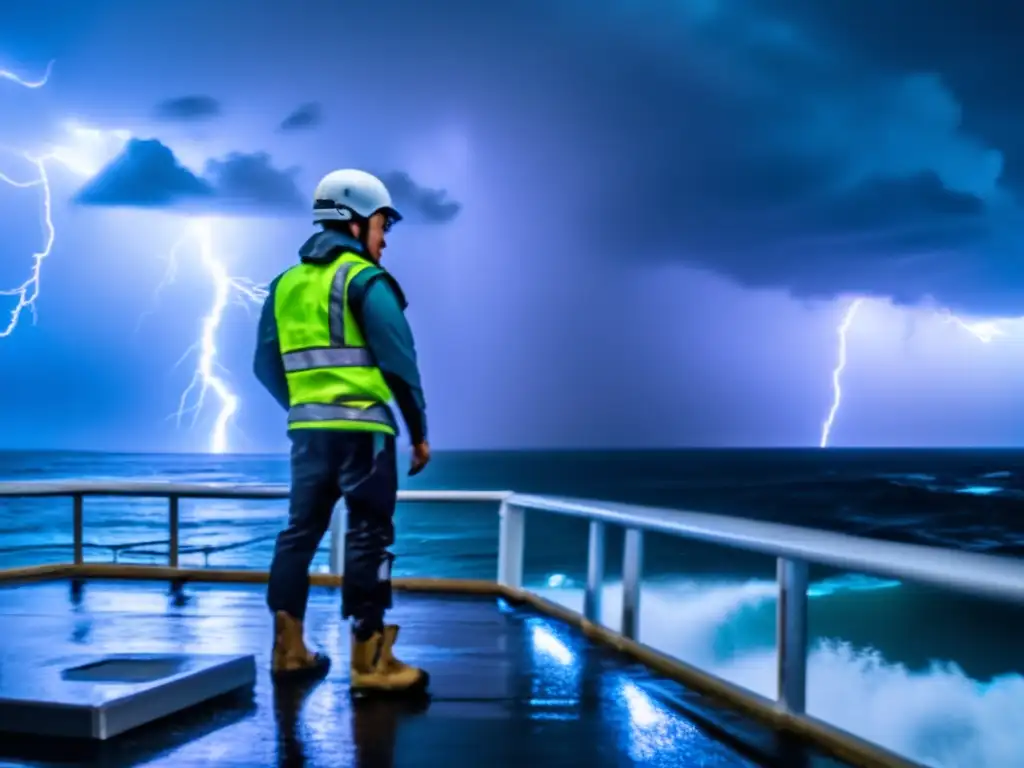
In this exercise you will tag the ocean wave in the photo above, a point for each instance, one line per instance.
(965, 500)
(971, 511)
(938, 716)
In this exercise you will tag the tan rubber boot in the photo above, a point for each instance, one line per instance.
(375, 670)
(291, 659)
(395, 666)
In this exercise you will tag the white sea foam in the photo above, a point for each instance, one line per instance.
(939, 717)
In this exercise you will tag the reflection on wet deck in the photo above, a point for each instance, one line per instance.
(510, 688)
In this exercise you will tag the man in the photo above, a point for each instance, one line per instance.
(334, 349)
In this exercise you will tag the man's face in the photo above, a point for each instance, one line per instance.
(378, 225)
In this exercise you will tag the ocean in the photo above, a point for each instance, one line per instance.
(937, 677)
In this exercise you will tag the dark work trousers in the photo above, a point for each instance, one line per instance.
(328, 465)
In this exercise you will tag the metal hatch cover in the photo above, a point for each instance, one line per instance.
(99, 698)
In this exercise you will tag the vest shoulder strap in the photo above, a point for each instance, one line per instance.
(372, 273)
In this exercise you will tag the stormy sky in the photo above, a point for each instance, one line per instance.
(629, 224)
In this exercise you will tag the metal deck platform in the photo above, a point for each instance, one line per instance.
(537, 684)
(100, 697)
(509, 688)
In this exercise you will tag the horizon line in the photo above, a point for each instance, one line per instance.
(530, 449)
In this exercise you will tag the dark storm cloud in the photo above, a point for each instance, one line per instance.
(188, 109)
(244, 181)
(418, 203)
(145, 175)
(304, 116)
(148, 175)
(972, 47)
(824, 148)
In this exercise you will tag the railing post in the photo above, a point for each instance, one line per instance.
(173, 525)
(595, 572)
(339, 524)
(632, 574)
(78, 528)
(791, 629)
(511, 540)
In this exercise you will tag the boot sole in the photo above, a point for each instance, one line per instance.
(312, 673)
(417, 691)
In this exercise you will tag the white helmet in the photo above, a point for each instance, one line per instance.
(348, 194)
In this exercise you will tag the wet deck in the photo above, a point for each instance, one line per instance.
(509, 688)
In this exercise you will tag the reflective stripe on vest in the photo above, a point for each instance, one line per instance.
(379, 414)
(336, 313)
(327, 357)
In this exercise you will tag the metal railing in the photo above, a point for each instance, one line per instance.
(174, 493)
(793, 547)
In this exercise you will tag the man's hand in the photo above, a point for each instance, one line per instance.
(420, 458)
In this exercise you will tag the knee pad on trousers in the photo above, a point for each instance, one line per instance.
(383, 587)
(368, 593)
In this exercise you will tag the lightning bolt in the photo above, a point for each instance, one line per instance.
(82, 160)
(984, 331)
(33, 84)
(27, 293)
(207, 376)
(837, 372)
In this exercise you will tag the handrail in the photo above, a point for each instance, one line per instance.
(991, 576)
(132, 547)
(162, 490)
(793, 547)
(78, 490)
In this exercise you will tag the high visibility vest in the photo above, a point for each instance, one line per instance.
(333, 380)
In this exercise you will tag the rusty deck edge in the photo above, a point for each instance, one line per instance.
(37, 572)
(836, 742)
(115, 571)
(241, 576)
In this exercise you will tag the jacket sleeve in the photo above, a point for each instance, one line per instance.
(267, 363)
(389, 338)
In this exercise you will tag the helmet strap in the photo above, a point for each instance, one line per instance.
(354, 218)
